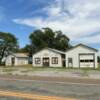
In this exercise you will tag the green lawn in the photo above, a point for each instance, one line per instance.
(31, 68)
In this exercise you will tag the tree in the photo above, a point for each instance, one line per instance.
(98, 59)
(8, 44)
(46, 37)
(26, 49)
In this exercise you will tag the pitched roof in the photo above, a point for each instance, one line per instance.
(21, 55)
(83, 46)
(54, 50)
(58, 51)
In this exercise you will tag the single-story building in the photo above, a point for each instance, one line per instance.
(16, 59)
(48, 57)
(81, 56)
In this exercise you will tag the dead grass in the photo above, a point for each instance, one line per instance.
(30, 68)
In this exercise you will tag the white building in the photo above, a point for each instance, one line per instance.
(17, 59)
(81, 56)
(48, 57)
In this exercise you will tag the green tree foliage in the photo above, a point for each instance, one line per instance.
(98, 59)
(8, 44)
(48, 38)
(26, 49)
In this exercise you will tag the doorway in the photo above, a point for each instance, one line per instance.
(70, 62)
(64, 63)
(13, 61)
(46, 62)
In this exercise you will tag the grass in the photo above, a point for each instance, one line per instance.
(8, 70)
(30, 68)
(19, 66)
(98, 67)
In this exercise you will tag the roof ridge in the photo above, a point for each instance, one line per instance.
(81, 44)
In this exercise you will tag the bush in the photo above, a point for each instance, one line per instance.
(2, 63)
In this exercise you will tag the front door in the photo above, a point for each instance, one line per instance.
(13, 61)
(70, 62)
(64, 63)
(46, 62)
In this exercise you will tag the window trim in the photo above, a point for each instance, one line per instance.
(86, 60)
(37, 60)
(87, 54)
(70, 62)
(54, 60)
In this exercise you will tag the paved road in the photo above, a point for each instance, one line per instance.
(66, 89)
(31, 96)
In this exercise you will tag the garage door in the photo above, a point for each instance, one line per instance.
(86, 60)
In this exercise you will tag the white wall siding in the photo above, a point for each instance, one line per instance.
(74, 54)
(22, 61)
(8, 60)
(18, 61)
(47, 53)
(96, 64)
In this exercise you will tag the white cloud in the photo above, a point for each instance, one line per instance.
(90, 40)
(76, 18)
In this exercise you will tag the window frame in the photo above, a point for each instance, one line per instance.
(86, 60)
(70, 60)
(37, 60)
(54, 60)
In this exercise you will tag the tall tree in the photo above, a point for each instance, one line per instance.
(8, 44)
(46, 37)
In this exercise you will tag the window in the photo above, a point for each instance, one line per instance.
(69, 60)
(54, 60)
(91, 60)
(37, 60)
(82, 60)
(87, 60)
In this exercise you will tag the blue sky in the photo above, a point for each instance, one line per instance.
(78, 19)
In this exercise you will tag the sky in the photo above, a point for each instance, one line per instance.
(78, 19)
